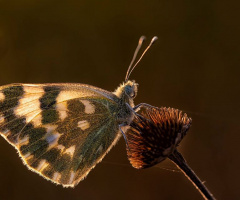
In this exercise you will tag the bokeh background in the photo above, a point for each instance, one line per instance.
(194, 67)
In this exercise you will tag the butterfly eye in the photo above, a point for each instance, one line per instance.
(129, 90)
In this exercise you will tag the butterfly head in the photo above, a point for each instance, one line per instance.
(130, 89)
(127, 90)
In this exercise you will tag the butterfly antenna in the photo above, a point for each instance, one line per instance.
(150, 44)
(140, 42)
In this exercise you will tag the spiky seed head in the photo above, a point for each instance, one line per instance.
(154, 135)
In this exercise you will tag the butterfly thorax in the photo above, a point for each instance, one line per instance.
(126, 92)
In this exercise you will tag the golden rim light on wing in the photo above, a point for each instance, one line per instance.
(61, 131)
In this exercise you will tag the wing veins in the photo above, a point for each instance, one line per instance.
(35, 160)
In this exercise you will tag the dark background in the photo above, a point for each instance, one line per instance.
(194, 67)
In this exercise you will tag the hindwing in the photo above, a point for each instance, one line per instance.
(61, 131)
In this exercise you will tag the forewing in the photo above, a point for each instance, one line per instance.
(61, 131)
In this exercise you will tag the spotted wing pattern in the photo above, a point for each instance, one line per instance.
(61, 131)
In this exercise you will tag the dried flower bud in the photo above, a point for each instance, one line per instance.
(155, 134)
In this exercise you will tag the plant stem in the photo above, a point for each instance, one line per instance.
(178, 159)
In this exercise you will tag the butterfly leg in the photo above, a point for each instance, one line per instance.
(124, 136)
(138, 107)
(132, 109)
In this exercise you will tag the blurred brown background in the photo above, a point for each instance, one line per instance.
(194, 66)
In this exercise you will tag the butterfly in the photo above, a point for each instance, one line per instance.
(62, 130)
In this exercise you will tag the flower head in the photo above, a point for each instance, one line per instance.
(154, 134)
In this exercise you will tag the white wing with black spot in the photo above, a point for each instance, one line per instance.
(61, 131)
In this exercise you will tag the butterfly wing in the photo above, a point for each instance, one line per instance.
(61, 131)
